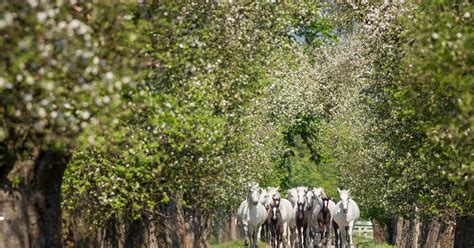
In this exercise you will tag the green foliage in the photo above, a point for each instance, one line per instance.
(306, 166)
(60, 72)
(192, 128)
(435, 105)
(316, 32)
(404, 146)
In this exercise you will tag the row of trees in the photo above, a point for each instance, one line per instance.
(405, 145)
(161, 112)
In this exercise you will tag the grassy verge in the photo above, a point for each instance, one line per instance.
(359, 241)
(237, 243)
(362, 242)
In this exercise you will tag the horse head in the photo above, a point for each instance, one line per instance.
(300, 210)
(300, 193)
(344, 194)
(325, 204)
(310, 197)
(293, 196)
(264, 198)
(275, 207)
(272, 193)
(318, 194)
(254, 193)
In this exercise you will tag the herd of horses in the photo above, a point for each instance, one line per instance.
(304, 219)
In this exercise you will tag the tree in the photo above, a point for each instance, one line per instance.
(61, 67)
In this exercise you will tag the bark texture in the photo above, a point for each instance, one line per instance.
(379, 232)
(31, 210)
(426, 233)
(226, 225)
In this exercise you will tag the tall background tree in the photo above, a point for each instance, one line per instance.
(62, 65)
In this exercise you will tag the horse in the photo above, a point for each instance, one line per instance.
(301, 216)
(264, 229)
(286, 210)
(275, 223)
(252, 215)
(293, 198)
(320, 195)
(312, 205)
(346, 214)
(324, 220)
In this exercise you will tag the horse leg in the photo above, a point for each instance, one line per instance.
(336, 234)
(254, 237)
(306, 237)
(298, 238)
(266, 232)
(291, 233)
(318, 243)
(349, 231)
(343, 236)
(327, 231)
(246, 232)
(272, 240)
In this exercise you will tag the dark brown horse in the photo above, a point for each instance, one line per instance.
(301, 223)
(324, 221)
(275, 224)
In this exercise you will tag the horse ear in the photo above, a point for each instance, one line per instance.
(256, 184)
(278, 188)
(338, 190)
(348, 191)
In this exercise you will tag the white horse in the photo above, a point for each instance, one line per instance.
(293, 198)
(286, 210)
(312, 206)
(346, 214)
(252, 214)
(263, 200)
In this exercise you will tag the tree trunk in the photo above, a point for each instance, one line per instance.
(170, 226)
(379, 232)
(112, 234)
(464, 232)
(425, 233)
(140, 233)
(398, 231)
(438, 233)
(226, 227)
(31, 213)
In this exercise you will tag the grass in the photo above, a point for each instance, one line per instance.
(362, 242)
(237, 243)
(359, 241)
